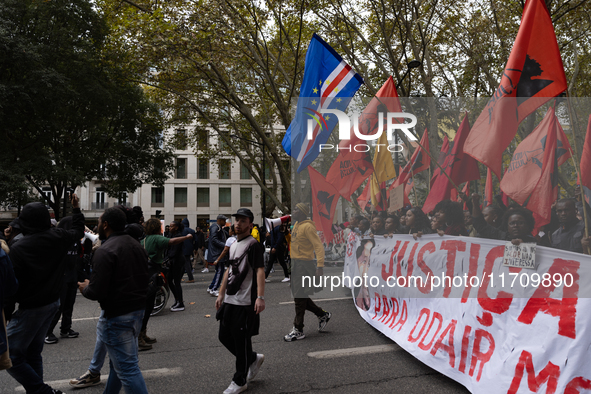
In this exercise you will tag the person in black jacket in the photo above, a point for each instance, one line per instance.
(517, 224)
(119, 282)
(177, 267)
(188, 248)
(216, 245)
(39, 266)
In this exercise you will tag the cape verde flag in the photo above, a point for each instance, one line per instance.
(329, 83)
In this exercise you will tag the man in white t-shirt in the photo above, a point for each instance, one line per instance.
(241, 300)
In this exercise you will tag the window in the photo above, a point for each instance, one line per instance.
(181, 168)
(225, 197)
(244, 174)
(180, 141)
(46, 193)
(180, 196)
(202, 139)
(99, 199)
(223, 146)
(246, 196)
(203, 172)
(225, 168)
(122, 199)
(267, 171)
(157, 196)
(202, 196)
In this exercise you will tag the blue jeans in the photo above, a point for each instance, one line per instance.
(98, 357)
(120, 335)
(26, 335)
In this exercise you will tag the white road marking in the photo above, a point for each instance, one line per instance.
(319, 300)
(85, 318)
(148, 374)
(354, 351)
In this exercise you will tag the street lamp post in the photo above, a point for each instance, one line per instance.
(264, 172)
(410, 65)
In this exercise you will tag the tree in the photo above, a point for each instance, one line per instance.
(70, 114)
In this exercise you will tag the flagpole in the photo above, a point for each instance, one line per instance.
(576, 160)
(412, 174)
(438, 165)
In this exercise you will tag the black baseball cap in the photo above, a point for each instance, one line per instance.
(244, 212)
(222, 217)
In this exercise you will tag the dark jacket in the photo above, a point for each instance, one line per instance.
(485, 230)
(569, 239)
(189, 244)
(38, 259)
(278, 238)
(217, 242)
(199, 240)
(119, 280)
(8, 286)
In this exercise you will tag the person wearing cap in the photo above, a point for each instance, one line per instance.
(240, 301)
(305, 242)
(216, 245)
(39, 266)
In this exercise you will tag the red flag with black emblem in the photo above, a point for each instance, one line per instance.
(526, 167)
(351, 167)
(418, 162)
(324, 202)
(459, 166)
(533, 74)
(586, 165)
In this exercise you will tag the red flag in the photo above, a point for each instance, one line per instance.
(546, 190)
(324, 200)
(533, 74)
(488, 189)
(365, 196)
(407, 191)
(525, 168)
(586, 165)
(351, 168)
(459, 166)
(466, 191)
(417, 163)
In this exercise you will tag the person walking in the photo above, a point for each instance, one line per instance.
(39, 265)
(216, 245)
(305, 242)
(177, 267)
(119, 282)
(240, 301)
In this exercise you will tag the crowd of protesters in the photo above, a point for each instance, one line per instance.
(43, 263)
(513, 223)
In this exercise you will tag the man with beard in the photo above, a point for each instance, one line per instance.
(119, 282)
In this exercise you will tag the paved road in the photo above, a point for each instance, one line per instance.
(188, 357)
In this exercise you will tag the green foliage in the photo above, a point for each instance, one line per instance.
(69, 114)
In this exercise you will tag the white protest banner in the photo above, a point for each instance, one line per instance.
(451, 303)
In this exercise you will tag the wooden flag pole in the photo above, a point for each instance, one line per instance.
(575, 158)
(412, 174)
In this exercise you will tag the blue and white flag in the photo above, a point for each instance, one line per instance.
(329, 83)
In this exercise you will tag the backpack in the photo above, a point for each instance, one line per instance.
(239, 267)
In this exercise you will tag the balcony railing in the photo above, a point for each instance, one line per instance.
(99, 205)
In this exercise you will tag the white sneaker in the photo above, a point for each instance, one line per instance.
(205, 270)
(209, 290)
(285, 280)
(215, 293)
(254, 367)
(267, 280)
(233, 388)
(294, 335)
